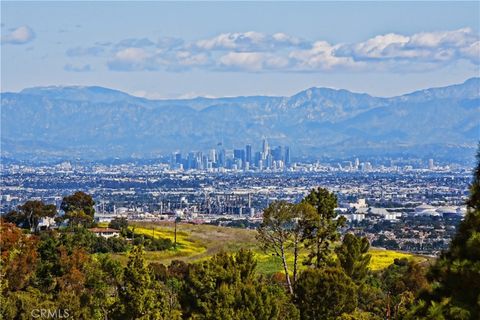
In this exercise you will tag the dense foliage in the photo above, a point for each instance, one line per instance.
(29, 214)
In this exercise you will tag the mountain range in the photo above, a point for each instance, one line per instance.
(95, 123)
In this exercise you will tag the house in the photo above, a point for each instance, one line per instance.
(105, 232)
(47, 223)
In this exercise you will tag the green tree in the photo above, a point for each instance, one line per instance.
(140, 297)
(25, 304)
(135, 292)
(455, 277)
(282, 232)
(79, 208)
(401, 282)
(226, 287)
(321, 230)
(119, 224)
(324, 294)
(359, 315)
(276, 232)
(30, 213)
(353, 257)
(103, 276)
(303, 212)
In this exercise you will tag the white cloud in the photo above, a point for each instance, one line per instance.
(20, 35)
(455, 38)
(187, 58)
(252, 61)
(321, 57)
(132, 59)
(440, 47)
(472, 52)
(254, 51)
(249, 41)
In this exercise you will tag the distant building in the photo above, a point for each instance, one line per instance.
(384, 214)
(105, 232)
(288, 160)
(46, 223)
(361, 203)
(248, 153)
(265, 148)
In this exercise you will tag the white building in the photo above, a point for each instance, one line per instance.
(105, 232)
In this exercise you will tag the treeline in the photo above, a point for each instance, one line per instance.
(78, 215)
(78, 208)
(57, 273)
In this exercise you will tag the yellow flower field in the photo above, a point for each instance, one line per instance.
(198, 242)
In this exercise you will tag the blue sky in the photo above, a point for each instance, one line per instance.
(187, 49)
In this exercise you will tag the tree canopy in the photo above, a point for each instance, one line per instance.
(322, 229)
(79, 208)
(29, 214)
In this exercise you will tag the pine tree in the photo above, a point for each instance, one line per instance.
(321, 230)
(325, 294)
(137, 295)
(353, 257)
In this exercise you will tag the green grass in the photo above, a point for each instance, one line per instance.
(198, 242)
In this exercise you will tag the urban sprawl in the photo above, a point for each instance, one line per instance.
(405, 204)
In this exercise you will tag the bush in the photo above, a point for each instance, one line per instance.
(324, 294)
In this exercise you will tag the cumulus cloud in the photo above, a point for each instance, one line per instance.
(20, 35)
(321, 57)
(249, 41)
(254, 51)
(132, 59)
(252, 61)
(440, 47)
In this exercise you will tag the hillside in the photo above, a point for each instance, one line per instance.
(198, 242)
(98, 123)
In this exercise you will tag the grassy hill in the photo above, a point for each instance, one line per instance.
(197, 242)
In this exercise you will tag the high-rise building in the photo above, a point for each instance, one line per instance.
(212, 155)
(257, 158)
(178, 158)
(265, 149)
(288, 159)
(191, 161)
(431, 164)
(269, 163)
(239, 154)
(222, 158)
(248, 153)
(277, 153)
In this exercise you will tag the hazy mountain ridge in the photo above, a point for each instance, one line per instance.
(96, 122)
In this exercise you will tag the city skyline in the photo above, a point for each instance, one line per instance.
(235, 158)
